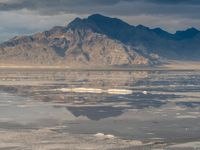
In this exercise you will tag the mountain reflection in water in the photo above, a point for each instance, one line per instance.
(96, 113)
(143, 105)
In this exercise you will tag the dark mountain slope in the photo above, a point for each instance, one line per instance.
(100, 41)
(181, 45)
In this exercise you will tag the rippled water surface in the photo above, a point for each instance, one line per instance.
(57, 109)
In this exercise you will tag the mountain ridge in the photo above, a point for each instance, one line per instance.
(100, 41)
(142, 37)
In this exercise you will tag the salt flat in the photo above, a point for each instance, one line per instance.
(64, 109)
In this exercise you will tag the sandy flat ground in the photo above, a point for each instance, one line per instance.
(182, 65)
(45, 139)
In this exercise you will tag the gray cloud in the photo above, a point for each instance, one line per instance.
(157, 7)
(184, 8)
(28, 16)
(190, 2)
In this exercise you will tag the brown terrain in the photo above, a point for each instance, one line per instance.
(68, 46)
(100, 41)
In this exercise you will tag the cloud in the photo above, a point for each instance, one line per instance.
(29, 16)
(21, 22)
(175, 2)
(171, 24)
(184, 8)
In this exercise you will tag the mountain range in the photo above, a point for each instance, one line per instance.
(101, 41)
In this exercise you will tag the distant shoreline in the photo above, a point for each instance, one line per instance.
(170, 66)
(98, 69)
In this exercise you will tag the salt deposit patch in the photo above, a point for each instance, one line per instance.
(145, 92)
(119, 91)
(106, 136)
(96, 90)
(81, 90)
(99, 135)
(186, 117)
(194, 113)
(195, 145)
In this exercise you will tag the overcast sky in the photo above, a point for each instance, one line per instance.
(30, 16)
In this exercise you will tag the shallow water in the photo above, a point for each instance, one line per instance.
(159, 108)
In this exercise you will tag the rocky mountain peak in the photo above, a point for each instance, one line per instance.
(187, 34)
(83, 24)
(100, 41)
(83, 42)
